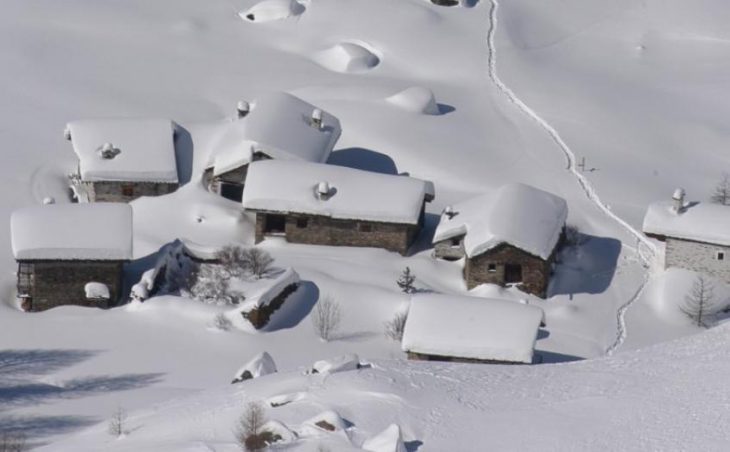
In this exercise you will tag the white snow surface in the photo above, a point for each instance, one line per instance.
(349, 361)
(146, 149)
(471, 327)
(96, 290)
(389, 440)
(517, 214)
(279, 125)
(701, 222)
(258, 366)
(283, 186)
(101, 231)
(347, 57)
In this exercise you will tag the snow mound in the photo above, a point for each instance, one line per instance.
(262, 364)
(285, 399)
(327, 421)
(270, 10)
(347, 57)
(342, 363)
(389, 440)
(416, 99)
(281, 430)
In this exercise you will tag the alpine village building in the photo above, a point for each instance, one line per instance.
(121, 159)
(696, 235)
(508, 237)
(320, 204)
(71, 254)
(276, 126)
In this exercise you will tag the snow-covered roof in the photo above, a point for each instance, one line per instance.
(470, 327)
(701, 222)
(98, 231)
(279, 125)
(517, 214)
(144, 148)
(282, 186)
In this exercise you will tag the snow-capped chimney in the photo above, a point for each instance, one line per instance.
(323, 190)
(67, 133)
(108, 151)
(449, 212)
(678, 198)
(317, 118)
(243, 108)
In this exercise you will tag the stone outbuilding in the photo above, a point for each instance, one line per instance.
(276, 126)
(122, 159)
(508, 237)
(321, 204)
(696, 234)
(469, 329)
(71, 254)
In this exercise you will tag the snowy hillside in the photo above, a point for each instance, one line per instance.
(471, 98)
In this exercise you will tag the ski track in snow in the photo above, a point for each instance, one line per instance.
(644, 248)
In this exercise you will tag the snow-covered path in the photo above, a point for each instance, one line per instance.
(645, 249)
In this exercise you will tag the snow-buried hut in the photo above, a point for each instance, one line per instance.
(321, 204)
(122, 159)
(509, 237)
(468, 329)
(71, 254)
(697, 235)
(276, 126)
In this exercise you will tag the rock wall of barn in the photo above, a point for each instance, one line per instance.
(699, 257)
(535, 271)
(320, 230)
(450, 249)
(57, 283)
(119, 191)
(413, 356)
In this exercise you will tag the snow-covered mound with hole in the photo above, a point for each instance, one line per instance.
(260, 365)
(416, 99)
(270, 10)
(347, 57)
(342, 363)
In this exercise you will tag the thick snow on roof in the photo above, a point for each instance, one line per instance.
(517, 214)
(278, 125)
(470, 327)
(96, 231)
(146, 149)
(281, 186)
(702, 222)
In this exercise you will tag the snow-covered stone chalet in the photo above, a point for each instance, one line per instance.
(509, 236)
(122, 159)
(276, 126)
(697, 235)
(322, 204)
(71, 254)
(468, 329)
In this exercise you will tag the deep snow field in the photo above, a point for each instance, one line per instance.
(523, 90)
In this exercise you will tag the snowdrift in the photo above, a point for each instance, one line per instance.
(347, 57)
(270, 10)
(415, 99)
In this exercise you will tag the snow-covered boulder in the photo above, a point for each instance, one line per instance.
(416, 99)
(389, 440)
(327, 421)
(342, 363)
(262, 364)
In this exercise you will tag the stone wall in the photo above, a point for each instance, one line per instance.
(57, 283)
(699, 257)
(118, 191)
(535, 271)
(450, 249)
(259, 317)
(455, 359)
(235, 176)
(319, 230)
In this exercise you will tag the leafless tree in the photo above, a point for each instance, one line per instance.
(406, 280)
(249, 429)
(233, 260)
(326, 317)
(118, 422)
(394, 327)
(12, 442)
(212, 285)
(700, 303)
(257, 261)
(221, 322)
(721, 194)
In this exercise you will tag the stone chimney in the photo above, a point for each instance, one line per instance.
(317, 118)
(243, 108)
(678, 198)
(323, 190)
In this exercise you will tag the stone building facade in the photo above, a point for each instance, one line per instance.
(707, 258)
(45, 284)
(413, 356)
(124, 191)
(321, 230)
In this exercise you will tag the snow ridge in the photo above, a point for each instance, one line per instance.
(645, 249)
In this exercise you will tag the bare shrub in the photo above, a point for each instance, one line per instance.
(249, 431)
(326, 317)
(12, 442)
(233, 260)
(257, 261)
(394, 327)
(212, 285)
(221, 322)
(700, 304)
(118, 422)
(721, 195)
(406, 280)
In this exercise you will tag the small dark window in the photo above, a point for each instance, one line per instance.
(234, 192)
(275, 224)
(492, 268)
(365, 227)
(456, 241)
(720, 255)
(127, 190)
(302, 222)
